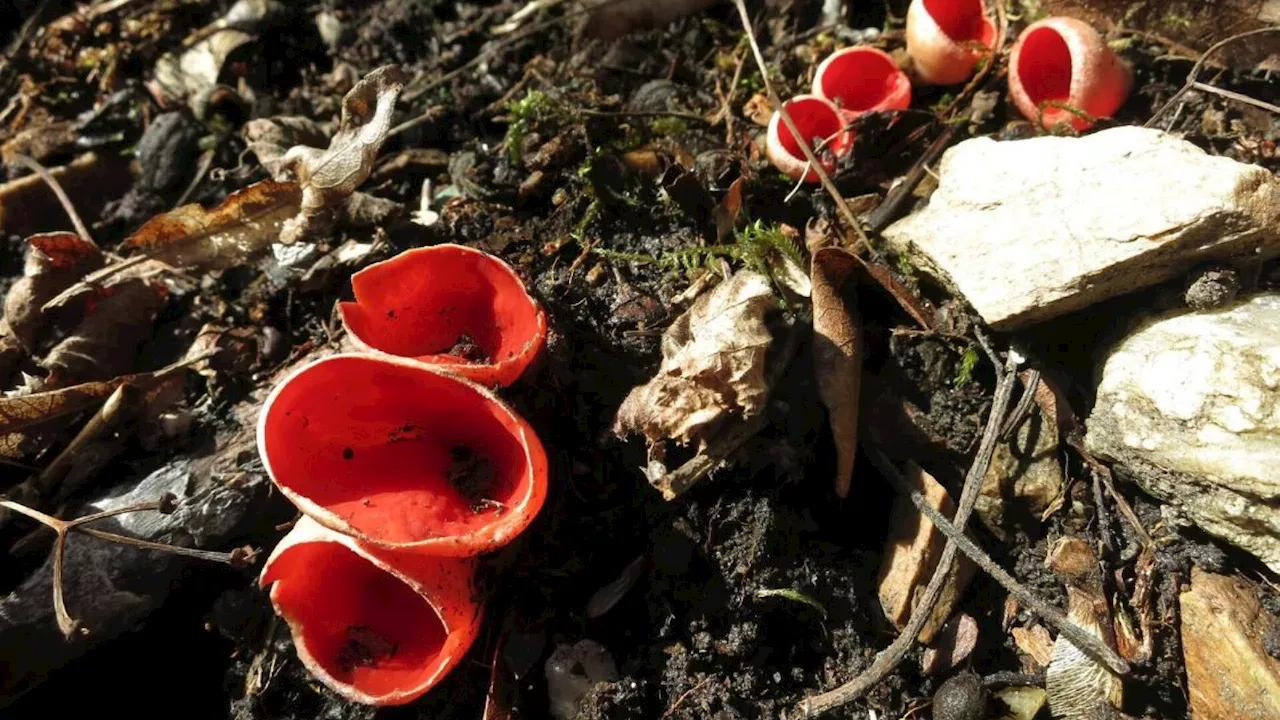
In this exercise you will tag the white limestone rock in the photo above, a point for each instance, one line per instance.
(1189, 408)
(1028, 230)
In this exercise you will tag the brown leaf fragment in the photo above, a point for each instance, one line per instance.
(19, 413)
(1035, 642)
(1230, 674)
(952, 645)
(911, 552)
(1024, 483)
(713, 367)
(246, 223)
(329, 176)
(103, 345)
(837, 354)
(54, 261)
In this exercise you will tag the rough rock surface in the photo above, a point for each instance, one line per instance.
(1189, 407)
(1028, 230)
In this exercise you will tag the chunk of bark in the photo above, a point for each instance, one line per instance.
(1230, 674)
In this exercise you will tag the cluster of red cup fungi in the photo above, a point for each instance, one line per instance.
(406, 467)
(1060, 71)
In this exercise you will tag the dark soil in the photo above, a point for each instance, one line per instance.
(756, 589)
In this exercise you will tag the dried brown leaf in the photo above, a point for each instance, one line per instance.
(246, 223)
(54, 262)
(952, 645)
(103, 345)
(329, 176)
(28, 206)
(1078, 686)
(713, 366)
(1035, 642)
(837, 354)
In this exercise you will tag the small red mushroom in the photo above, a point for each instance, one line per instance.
(451, 306)
(1065, 61)
(947, 38)
(402, 456)
(817, 119)
(860, 80)
(378, 627)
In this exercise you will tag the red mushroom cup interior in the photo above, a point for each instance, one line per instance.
(401, 456)
(862, 79)
(1045, 72)
(448, 305)
(817, 120)
(964, 21)
(377, 627)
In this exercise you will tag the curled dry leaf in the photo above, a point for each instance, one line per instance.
(1035, 642)
(837, 354)
(713, 367)
(1079, 687)
(54, 261)
(327, 177)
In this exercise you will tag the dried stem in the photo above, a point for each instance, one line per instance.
(892, 656)
(845, 211)
(1193, 77)
(1079, 637)
(66, 623)
(1239, 97)
(56, 187)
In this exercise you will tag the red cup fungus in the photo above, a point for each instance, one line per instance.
(401, 456)
(860, 80)
(450, 306)
(1061, 61)
(817, 119)
(947, 38)
(376, 626)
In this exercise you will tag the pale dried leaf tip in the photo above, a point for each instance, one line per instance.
(329, 176)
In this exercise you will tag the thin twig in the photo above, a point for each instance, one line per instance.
(1023, 408)
(1194, 76)
(893, 655)
(850, 219)
(56, 187)
(693, 117)
(1079, 637)
(1239, 97)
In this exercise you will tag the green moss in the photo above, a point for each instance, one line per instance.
(668, 126)
(968, 363)
(535, 109)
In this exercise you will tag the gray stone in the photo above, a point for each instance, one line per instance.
(1189, 408)
(1028, 230)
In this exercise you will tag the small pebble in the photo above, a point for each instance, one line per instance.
(572, 670)
(1212, 288)
(960, 698)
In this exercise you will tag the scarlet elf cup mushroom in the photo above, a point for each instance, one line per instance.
(405, 471)
(448, 305)
(1061, 70)
(947, 38)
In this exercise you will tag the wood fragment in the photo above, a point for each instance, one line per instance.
(1230, 675)
(837, 355)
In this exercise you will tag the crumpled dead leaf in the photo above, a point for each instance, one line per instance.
(54, 261)
(327, 177)
(713, 367)
(1079, 687)
(103, 345)
(952, 645)
(837, 354)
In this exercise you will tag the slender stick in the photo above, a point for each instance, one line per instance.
(1079, 637)
(56, 187)
(889, 659)
(1194, 75)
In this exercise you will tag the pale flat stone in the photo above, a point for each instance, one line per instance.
(1028, 230)
(1189, 407)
